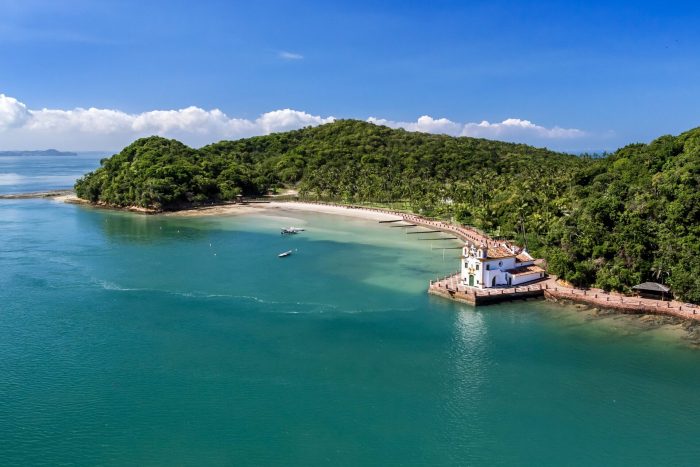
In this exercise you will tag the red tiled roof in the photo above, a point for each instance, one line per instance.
(499, 252)
(525, 270)
(524, 257)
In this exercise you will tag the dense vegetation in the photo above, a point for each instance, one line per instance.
(610, 222)
(633, 216)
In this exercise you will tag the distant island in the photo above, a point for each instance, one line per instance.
(609, 222)
(47, 152)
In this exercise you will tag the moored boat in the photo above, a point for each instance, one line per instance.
(292, 230)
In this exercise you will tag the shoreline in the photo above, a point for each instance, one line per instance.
(656, 318)
(685, 329)
(224, 209)
(55, 194)
(241, 209)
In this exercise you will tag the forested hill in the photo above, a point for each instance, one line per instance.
(631, 217)
(346, 160)
(611, 222)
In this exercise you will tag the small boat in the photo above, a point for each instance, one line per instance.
(286, 253)
(292, 230)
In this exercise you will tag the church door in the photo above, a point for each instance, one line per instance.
(471, 280)
(493, 282)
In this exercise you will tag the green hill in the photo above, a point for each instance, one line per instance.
(635, 216)
(611, 222)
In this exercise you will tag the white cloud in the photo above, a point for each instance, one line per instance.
(514, 127)
(13, 113)
(290, 55)
(511, 129)
(107, 129)
(425, 124)
(288, 119)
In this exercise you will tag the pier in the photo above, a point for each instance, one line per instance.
(453, 288)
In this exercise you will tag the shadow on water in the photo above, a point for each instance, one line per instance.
(125, 227)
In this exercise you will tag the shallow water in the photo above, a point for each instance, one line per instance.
(128, 339)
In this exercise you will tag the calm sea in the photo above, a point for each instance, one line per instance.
(26, 174)
(134, 340)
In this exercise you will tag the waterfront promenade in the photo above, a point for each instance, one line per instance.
(619, 302)
(451, 287)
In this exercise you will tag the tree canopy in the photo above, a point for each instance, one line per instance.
(611, 222)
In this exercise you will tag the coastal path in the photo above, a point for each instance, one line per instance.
(452, 287)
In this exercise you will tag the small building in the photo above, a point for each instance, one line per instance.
(503, 265)
(653, 290)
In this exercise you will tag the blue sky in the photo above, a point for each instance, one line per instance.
(604, 73)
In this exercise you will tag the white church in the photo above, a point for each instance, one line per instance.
(502, 265)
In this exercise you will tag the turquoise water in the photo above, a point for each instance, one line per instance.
(136, 340)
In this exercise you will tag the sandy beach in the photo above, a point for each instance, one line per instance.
(65, 196)
(240, 209)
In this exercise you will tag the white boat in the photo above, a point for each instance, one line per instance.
(292, 230)
(286, 253)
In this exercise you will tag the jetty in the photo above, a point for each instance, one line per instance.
(453, 288)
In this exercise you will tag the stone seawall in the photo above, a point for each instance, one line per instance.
(623, 304)
(451, 287)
